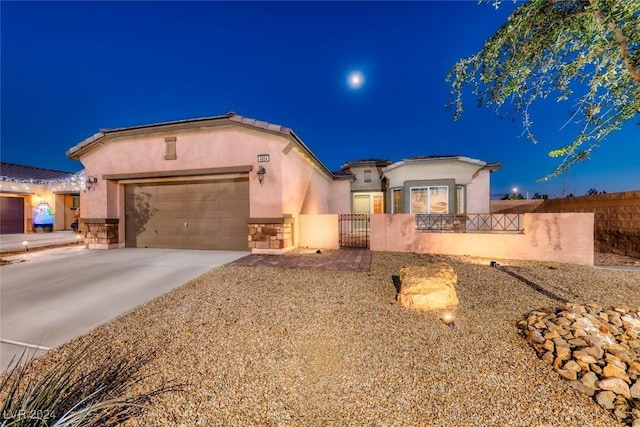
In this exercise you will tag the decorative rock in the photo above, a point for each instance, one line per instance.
(590, 380)
(536, 336)
(613, 371)
(548, 357)
(571, 365)
(563, 353)
(615, 385)
(577, 342)
(428, 287)
(583, 388)
(605, 399)
(583, 357)
(567, 374)
(634, 391)
(597, 351)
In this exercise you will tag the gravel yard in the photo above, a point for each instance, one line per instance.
(274, 346)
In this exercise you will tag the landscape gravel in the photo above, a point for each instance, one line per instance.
(289, 347)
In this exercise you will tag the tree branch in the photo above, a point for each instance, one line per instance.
(622, 41)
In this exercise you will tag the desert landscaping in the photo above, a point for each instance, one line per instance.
(286, 346)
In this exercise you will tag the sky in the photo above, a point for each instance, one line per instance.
(69, 69)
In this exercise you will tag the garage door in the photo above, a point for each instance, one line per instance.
(195, 215)
(11, 215)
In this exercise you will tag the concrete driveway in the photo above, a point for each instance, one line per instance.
(59, 294)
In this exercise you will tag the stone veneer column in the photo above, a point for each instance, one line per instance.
(101, 233)
(270, 235)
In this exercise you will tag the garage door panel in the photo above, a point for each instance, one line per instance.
(172, 206)
(11, 215)
(203, 208)
(215, 214)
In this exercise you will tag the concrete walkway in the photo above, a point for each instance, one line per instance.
(49, 297)
(15, 242)
(326, 260)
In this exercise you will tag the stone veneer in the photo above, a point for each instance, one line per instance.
(270, 233)
(101, 233)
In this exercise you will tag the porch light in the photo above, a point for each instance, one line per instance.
(26, 245)
(90, 181)
(261, 172)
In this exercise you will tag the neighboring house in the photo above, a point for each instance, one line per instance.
(438, 185)
(35, 199)
(223, 182)
(367, 186)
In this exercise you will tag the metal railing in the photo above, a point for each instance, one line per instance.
(354, 230)
(461, 223)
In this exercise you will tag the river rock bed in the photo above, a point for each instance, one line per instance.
(596, 349)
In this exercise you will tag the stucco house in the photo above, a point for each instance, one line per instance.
(222, 182)
(35, 199)
(232, 182)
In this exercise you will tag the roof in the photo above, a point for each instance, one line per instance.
(435, 158)
(79, 149)
(366, 162)
(342, 175)
(22, 173)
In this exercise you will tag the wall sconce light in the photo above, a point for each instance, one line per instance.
(90, 181)
(261, 172)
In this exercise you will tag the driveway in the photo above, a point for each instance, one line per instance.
(59, 294)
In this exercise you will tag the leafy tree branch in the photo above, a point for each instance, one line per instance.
(583, 52)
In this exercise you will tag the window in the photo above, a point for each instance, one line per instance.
(367, 176)
(460, 199)
(377, 205)
(433, 200)
(75, 202)
(396, 200)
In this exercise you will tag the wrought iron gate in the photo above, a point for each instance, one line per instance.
(354, 230)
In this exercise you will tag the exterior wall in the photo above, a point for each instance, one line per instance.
(517, 206)
(617, 219)
(359, 184)
(340, 197)
(478, 193)
(319, 231)
(564, 237)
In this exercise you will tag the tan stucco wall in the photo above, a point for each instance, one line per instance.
(340, 197)
(292, 183)
(479, 192)
(560, 237)
(319, 231)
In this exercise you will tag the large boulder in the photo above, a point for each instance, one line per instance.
(428, 287)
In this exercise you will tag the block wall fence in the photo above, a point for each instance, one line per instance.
(616, 216)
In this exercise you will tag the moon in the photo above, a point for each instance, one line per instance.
(355, 79)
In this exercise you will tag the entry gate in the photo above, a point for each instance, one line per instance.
(354, 230)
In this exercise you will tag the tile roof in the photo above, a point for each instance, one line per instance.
(20, 173)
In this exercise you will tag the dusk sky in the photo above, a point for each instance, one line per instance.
(69, 69)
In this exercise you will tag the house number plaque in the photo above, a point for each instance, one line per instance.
(263, 158)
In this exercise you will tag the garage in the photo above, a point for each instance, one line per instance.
(188, 215)
(11, 215)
